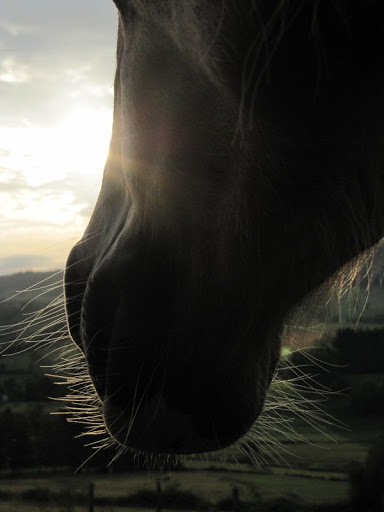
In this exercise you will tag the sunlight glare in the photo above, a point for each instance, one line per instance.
(76, 145)
(49, 180)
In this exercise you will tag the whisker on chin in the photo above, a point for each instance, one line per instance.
(82, 405)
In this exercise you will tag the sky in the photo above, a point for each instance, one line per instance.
(57, 60)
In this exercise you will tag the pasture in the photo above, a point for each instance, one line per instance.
(310, 475)
(314, 474)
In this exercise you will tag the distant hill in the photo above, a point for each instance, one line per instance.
(44, 287)
(15, 283)
(367, 308)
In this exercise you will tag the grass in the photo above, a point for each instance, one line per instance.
(322, 456)
(314, 474)
(211, 487)
(14, 506)
(310, 491)
(325, 456)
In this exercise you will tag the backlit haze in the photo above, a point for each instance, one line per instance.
(57, 61)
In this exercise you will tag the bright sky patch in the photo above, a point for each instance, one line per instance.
(56, 86)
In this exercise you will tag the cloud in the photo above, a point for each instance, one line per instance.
(22, 262)
(11, 72)
(58, 55)
(11, 180)
(85, 18)
(15, 29)
(57, 65)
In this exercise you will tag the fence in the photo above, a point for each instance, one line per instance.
(159, 504)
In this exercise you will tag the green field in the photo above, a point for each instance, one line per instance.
(309, 474)
(211, 486)
(313, 474)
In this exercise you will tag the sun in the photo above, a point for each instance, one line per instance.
(83, 138)
(77, 144)
(49, 180)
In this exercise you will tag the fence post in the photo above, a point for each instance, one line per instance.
(235, 499)
(91, 497)
(158, 490)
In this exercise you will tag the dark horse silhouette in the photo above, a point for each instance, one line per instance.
(245, 169)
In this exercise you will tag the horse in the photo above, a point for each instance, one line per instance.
(245, 172)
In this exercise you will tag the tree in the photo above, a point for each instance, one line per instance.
(367, 482)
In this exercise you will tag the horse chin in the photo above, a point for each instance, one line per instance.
(159, 427)
(188, 412)
(168, 391)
